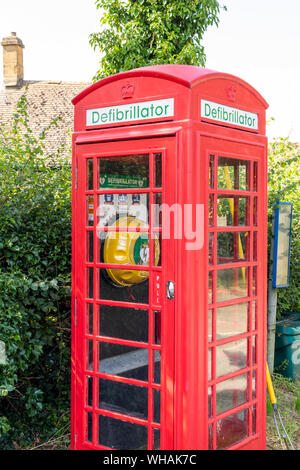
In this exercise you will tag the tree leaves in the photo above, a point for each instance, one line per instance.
(284, 185)
(145, 32)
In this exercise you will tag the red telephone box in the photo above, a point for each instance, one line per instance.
(169, 262)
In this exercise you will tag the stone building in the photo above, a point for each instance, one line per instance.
(47, 99)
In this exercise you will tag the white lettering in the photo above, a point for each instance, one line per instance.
(130, 112)
(234, 116)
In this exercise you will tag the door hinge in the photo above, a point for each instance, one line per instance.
(75, 310)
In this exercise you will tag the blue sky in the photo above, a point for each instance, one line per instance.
(258, 40)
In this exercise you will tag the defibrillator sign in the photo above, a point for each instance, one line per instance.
(145, 110)
(229, 115)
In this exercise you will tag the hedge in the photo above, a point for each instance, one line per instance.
(35, 264)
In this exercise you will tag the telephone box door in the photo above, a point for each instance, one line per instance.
(237, 228)
(123, 322)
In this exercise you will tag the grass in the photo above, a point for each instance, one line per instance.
(288, 400)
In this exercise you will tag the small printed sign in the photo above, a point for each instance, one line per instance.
(124, 204)
(145, 110)
(2, 353)
(282, 243)
(122, 181)
(236, 117)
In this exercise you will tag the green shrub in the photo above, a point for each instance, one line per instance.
(283, 185)
(35, 264)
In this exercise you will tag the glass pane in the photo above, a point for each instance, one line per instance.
(255, 211)
(232, 320)
(123, 210)
(231, 393)
(156, 439)
(233, 174)
(253, 384)
(129, 248)
(210, 437)
(232, 283)
(157, 367)
(210, 325)
(232, 429)
(233, 247)
(232, 211)
(126, 171)
(254, 281)
(254, 349)
(211, 248)
(209, 365)
(158, 170)
(90, 356)
(254, 246)
(124, 323)
(210, 287)
(90, 318)
(90, 283)
(211, 170)
(156, 406)
(89, 400)
(90, 210)
(210, 402)
(157, 327)
(90, 174)
(254, 419)
(254, 315)
(231, 357)
(90, 427)
(211, 211)
(125, 361)
(157, 210)
(124, 285)
(255, 176)
(122, 435)
(123, 398)
(90, 246)
(156, 249)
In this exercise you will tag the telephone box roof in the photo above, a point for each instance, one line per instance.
(186, 75)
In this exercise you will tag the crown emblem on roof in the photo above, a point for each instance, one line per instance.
(231, 93)
(127, 90)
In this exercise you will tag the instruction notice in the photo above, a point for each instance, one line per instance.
(2, 353)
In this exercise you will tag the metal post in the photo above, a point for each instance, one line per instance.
(272, 307)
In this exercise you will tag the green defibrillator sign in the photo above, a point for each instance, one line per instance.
(122, 181)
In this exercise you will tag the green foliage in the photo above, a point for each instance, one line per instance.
(136, 33)
(297, 403)
(35, 264)
(269, 407)
(284, 185)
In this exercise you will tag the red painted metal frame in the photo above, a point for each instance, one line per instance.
(188, 143)
(251, 154)
(166, 270)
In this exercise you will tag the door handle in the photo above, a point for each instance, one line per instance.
(170, 290)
